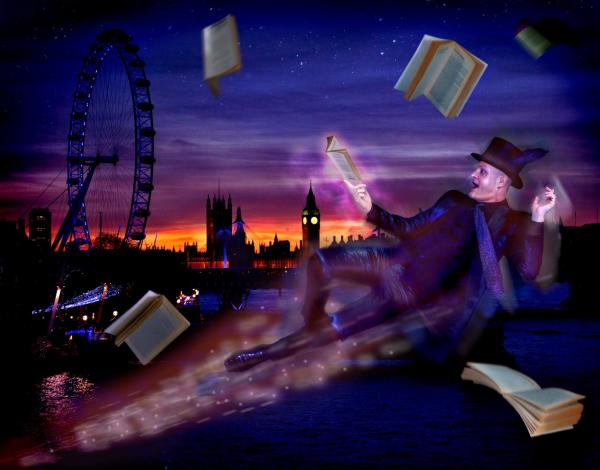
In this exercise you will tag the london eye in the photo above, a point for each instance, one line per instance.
(110, 157)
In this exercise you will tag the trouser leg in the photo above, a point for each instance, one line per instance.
(316, 294)
(318, 287)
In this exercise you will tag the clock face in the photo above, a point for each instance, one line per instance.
(314, 220)
(304, 220)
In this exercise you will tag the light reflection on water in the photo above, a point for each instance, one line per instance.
(60, 395)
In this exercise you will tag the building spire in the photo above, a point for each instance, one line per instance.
(311, 203)
(238, 216)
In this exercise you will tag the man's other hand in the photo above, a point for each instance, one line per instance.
(540, 208)
(361, 196)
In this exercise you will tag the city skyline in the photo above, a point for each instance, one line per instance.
(308, 71)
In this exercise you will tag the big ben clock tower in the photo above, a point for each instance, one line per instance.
(311, 224)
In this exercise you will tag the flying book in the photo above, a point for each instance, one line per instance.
(543, 410)
(444, 72)
(342, 160)
(221, 52)
(149, 326)
(537, 37)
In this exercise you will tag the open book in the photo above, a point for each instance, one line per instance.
(221, 51)
(543, 410)
(444, 72)
(149, 326)
(342, 160)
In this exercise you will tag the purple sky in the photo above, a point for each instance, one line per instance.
(308, 71)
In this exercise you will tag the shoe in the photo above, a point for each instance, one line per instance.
(245, 360)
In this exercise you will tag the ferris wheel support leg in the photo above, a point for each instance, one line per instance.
(66, 227)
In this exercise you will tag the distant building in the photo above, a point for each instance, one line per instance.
(218, 230)
(277, 254)
(578, 265)
(241, 251)
(190, 249)
(227, 244)
(40, 227)
(311, 224)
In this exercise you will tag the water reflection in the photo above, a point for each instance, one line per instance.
(60, 395)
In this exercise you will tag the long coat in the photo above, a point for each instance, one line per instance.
(441, 266)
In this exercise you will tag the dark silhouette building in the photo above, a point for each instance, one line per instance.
(277, 254)
(311, 224)
(578, 266)
(218, 228)
(40, 227)
(241, 251)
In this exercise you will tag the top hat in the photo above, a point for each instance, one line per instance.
(508, 158)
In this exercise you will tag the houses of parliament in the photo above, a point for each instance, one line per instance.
(227, 243)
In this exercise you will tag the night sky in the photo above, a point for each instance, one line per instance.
(308, 71)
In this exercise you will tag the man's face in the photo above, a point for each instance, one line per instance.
(486, 184)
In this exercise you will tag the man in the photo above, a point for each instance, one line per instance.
(445, 264)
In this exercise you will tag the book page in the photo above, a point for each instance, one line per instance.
(220, 48)
(539, 415)
(342, 160)
(479, 66)
(547, 399)
(449, 82)
(121, 323)
(542, 430)
(413, 65)
(507, 380)
(433, 70)
(158, 330)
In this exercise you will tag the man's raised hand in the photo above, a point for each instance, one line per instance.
(540, 208)
(361, 196)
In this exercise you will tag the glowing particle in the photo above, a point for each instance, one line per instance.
(267, 403)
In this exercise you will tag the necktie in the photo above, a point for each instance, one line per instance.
(489, 263)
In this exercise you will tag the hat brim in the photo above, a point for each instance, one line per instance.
(515, 179)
